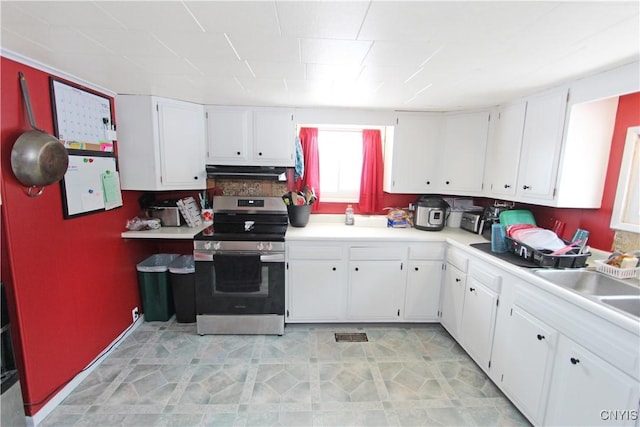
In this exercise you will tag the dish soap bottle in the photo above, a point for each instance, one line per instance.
(348, 215)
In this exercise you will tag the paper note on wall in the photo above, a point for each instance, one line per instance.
(111, 188)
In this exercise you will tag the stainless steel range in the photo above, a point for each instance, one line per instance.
(240, 267)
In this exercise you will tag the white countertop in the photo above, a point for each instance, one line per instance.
(373, 228)
(183, 232)
(368, 228)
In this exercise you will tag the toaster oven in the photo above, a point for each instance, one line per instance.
(471, 221)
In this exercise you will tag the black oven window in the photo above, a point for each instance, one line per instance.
(240, 275)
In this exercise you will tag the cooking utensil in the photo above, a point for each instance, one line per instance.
(37, 158)
(567, 248)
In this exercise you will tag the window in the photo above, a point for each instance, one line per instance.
(340, 152)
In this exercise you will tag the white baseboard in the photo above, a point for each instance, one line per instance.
(39, 416)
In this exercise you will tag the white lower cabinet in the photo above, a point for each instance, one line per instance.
(376, 282)
(318, 293)
(375, 290)
(526, 369)
(453, 287)
(316, 283)
(587, 390)
(422, 297)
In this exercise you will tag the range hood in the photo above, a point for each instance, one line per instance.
(247, 172)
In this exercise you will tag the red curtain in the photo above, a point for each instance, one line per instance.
(372, 173)
(311, 179)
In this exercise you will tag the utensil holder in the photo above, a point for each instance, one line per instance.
(299, 215)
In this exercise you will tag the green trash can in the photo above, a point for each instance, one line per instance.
(183, 284)
(155, 289)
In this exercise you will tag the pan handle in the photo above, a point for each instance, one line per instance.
(27, 101)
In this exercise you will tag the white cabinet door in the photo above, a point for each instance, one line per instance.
(411, 159)
(376, 290)
(503, 150)
(422, 296)
(527, 368)
(586, 390)
(541, 145)
(317, 290)
(161, 144)
(478, 320)
(453, 288)
(228, 135)
(273, 137)
(182, 141)
(463, 145)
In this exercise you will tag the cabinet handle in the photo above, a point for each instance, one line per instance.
(574, 361)
(416, 268)
(526, 187)
(458, 280)
(195, 177)
(447, 182)
(356, 268)
(472, 289)
(541, 337)
(507, 186)
(334, 269)
(260, 153)
(428, 182)
(238, 153)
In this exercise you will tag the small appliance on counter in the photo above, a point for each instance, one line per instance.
(430, 213)
(167, 212)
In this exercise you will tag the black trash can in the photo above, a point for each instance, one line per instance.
(155, 291)
(299, 215)
(183, 285)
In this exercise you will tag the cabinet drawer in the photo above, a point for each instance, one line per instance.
(457, 258)
(487, 275)
(316, 252)
(377, 253)
(427, 251)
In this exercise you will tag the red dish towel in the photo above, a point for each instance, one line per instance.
(515, 227)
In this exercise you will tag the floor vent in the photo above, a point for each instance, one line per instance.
(355, 337)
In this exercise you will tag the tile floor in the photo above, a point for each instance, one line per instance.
(164, 374)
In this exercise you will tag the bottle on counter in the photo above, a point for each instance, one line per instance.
(348, 215)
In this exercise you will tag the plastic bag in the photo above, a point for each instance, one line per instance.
(139, 224)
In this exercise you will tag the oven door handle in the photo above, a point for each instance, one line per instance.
(208, 256)
(272, 258)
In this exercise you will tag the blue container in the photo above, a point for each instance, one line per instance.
(498, 241)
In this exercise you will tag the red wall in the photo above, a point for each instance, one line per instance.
(597, 220)
(71, 284)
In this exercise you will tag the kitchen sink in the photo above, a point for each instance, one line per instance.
(589, 282)
(629, 304)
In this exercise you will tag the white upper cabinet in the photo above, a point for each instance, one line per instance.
(228, 135)
(273, 137)
(250, 136)
(558, 151)
(541, 143)
(463, 149)
(161, 144)
(411, 154)
(503, 150)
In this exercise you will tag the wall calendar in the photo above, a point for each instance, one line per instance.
(80, 117)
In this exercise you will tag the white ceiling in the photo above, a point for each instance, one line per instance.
(405, 55)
